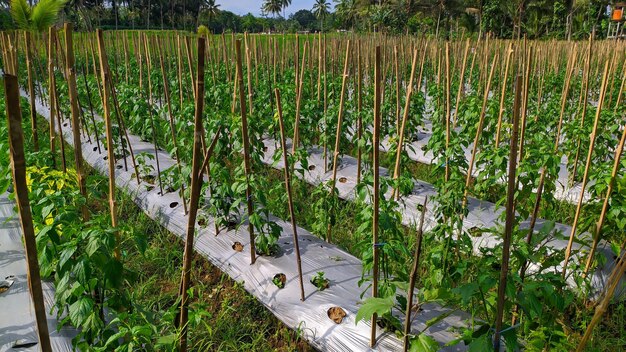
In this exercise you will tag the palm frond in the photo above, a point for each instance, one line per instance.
(45, 13)
(21, 12)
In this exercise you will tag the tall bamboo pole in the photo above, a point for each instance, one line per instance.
(172, 128)
(246, 150)
(52, 94)
(592, 139)
(479, 130)
(292, 213)
(104, 71)
(18, 166)
(510, 213)
(413, 277)
(338, 133)
(614, 279)
(73, 94)
(605, 205)
(196, 187)
(31, 89)
(407, 105)
(376, 186)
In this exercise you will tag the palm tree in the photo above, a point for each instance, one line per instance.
(272, 6)
(347, 10)
(210, 7)
(320, 9)
(284, 4)
(37, 18)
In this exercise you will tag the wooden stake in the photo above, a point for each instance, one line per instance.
(510, 214)
(614, 279)
(605, 204)
(31, 90)
(592, 139)
(104, 70)
(292, 213)
(18, 166)
(376, 190)
(73, 95)
(196, 187)
(172, 128)
(338, 133)
(479, 130)
(509, 52)
(52, 94)
(461, 87)
(246, 150)
(407, 105)
(413, 276)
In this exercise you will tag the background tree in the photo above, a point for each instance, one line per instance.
(210, 8)
(321, 9)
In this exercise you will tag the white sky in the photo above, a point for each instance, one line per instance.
(242, 7)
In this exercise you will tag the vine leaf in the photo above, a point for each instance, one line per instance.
(373, 305)
(423, 343)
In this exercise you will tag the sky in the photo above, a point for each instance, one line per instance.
(242, 7)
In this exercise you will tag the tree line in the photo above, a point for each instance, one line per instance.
(562, 19)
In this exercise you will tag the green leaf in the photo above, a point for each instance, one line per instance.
(374, 305)
(423, 343)
(80, 310)
(480, 344)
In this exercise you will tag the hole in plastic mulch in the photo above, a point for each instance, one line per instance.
(65, 124)
(173, 205)
(279, 280)
(311, 167)
(95, 148)
(336, 314)
(105, 157)
(119, 167)
(149, 188)
(237, 246)
(475, 231)
(265, 149)
(342, 180)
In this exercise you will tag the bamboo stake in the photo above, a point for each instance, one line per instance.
(376, 186)
(509, 52)
(93, 118)
(447, 117)
(296, 129)
(73, 95)
(614, 279)
(288, 189)
(584, 94)
(592, 140)
(407, 104)
(104, 70)
(31, 90)
(413, 276)
(338, 133)
(359, 107)
(196, 187)
(246, 149)
(479, 129)
(249, 73)
(52, 94)
(529, 56)
(605, 204)
(172, 128)
(510, 213)
(18, 166)
(461, 87)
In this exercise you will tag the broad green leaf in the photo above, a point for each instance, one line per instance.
(374, 305)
